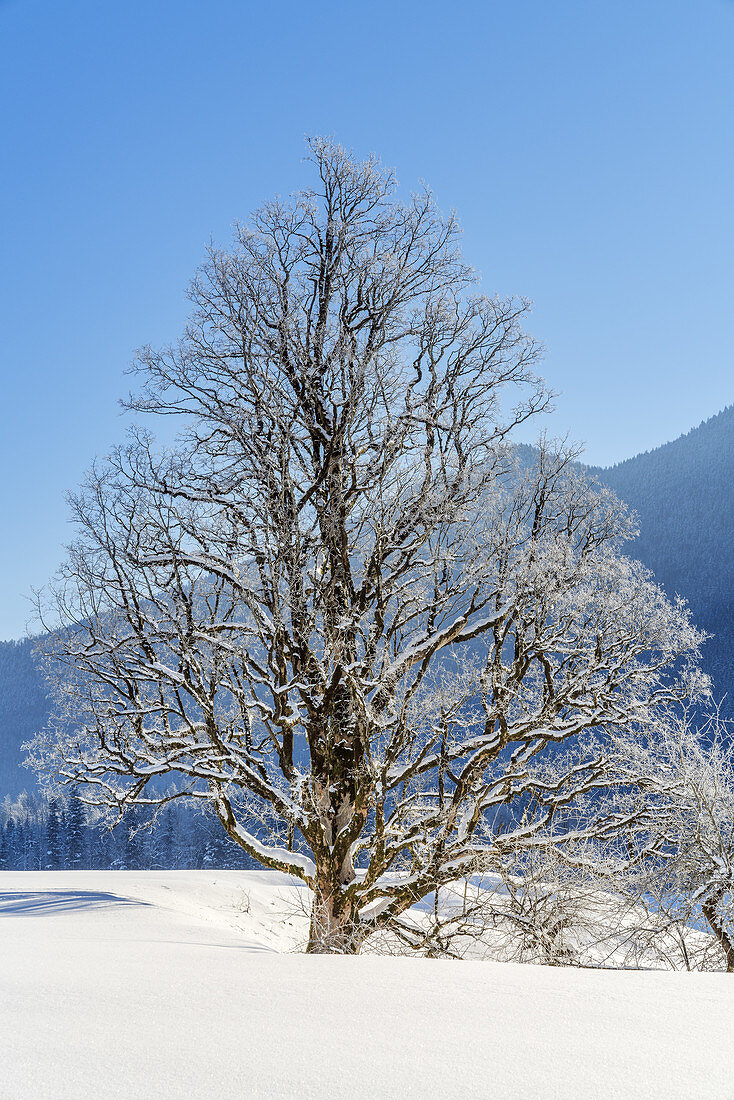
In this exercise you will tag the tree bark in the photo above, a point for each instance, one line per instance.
(727, 946)
(334, 926)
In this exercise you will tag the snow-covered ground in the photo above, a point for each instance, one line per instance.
(188, 984)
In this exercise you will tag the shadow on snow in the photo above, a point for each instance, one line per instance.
(39, 902)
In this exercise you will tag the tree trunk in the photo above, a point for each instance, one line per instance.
(727, 946)
(336, 761)
(334, 925)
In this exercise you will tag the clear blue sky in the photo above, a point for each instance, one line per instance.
(588, 146)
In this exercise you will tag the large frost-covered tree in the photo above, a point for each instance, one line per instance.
(338, 609)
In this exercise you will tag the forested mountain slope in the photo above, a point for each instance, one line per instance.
(23, 710)
(683, 493)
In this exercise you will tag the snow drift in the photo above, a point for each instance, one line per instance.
(188, 983)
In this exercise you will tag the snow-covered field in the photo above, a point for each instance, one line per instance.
(188, 984)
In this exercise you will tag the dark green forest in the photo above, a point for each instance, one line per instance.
(683, 494)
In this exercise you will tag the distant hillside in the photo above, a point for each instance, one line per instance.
(23, 711)
(683, 493)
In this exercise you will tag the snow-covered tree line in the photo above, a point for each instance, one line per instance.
(39, 834)
(338, 607)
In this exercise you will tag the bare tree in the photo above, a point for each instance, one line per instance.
(596, 902)
(340, 607)
(684, 795)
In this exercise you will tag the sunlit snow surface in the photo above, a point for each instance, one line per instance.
(188, 984)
